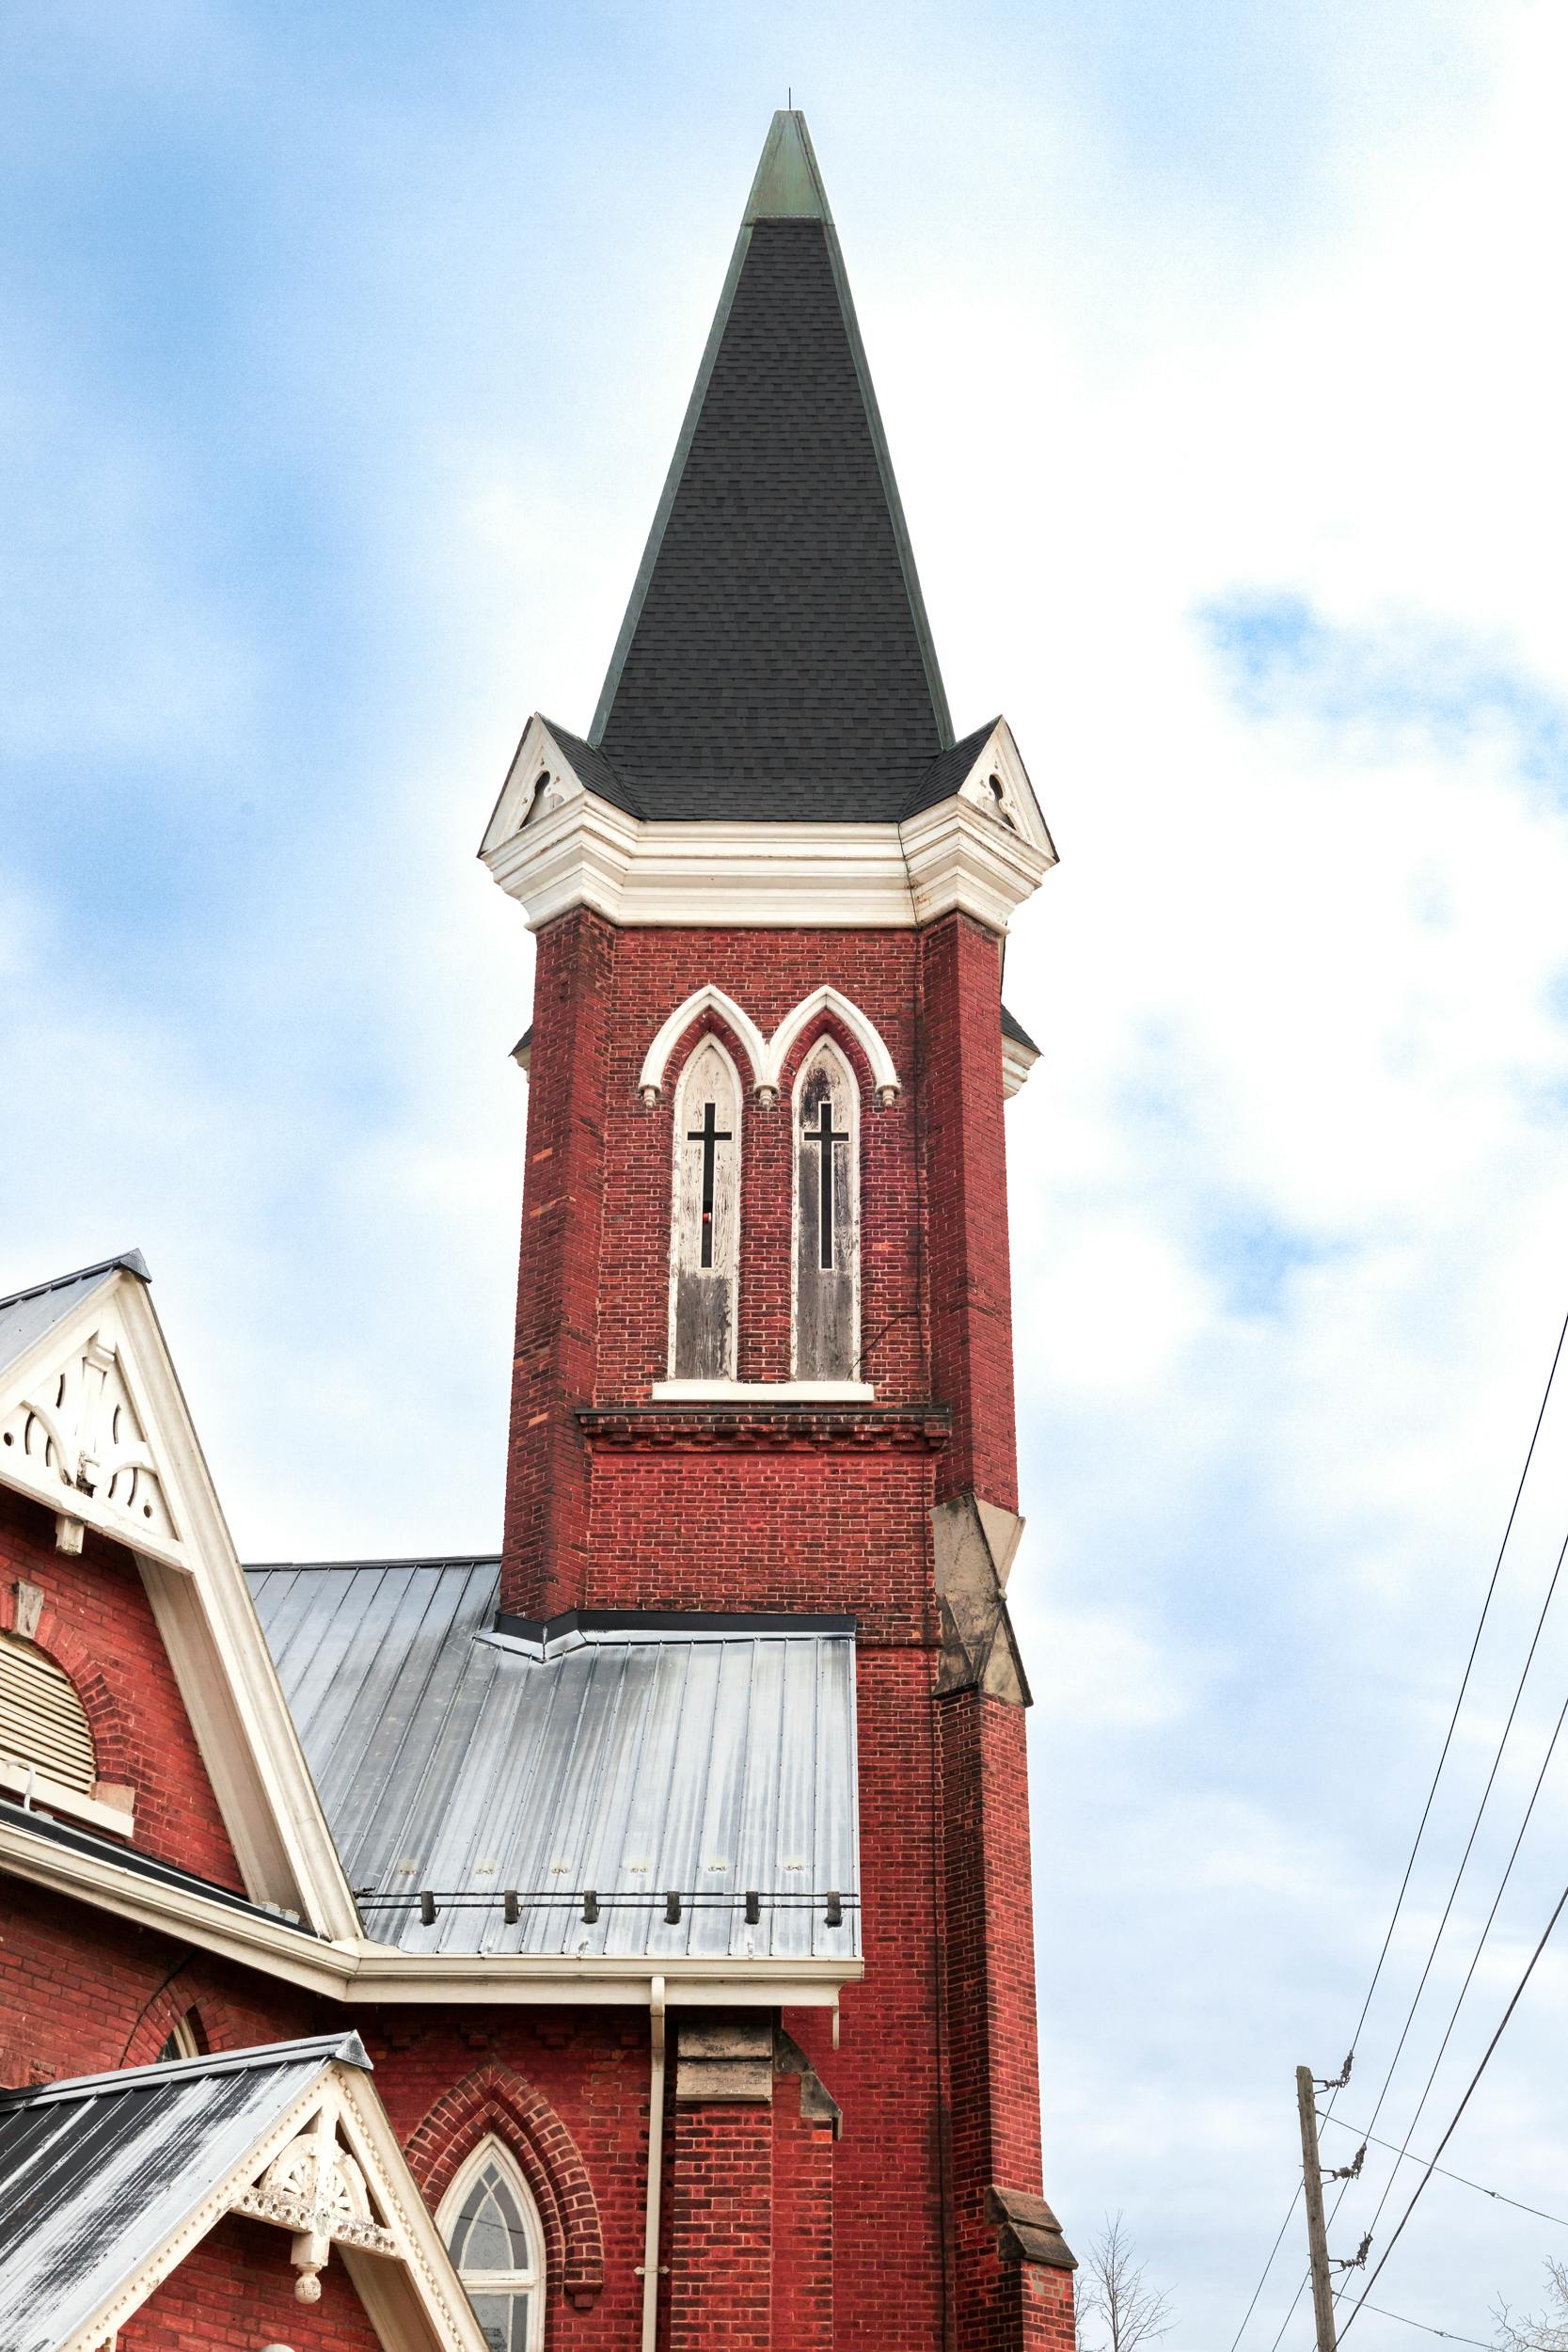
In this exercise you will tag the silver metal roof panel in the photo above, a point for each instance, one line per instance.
(96, 2174)
(701, 1756)
(26, 1315)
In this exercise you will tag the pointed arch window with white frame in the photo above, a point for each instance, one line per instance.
(491, 2226)
(826, 1320)
(704, 1242)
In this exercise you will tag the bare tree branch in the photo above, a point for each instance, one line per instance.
(1539, 2331)
(1116, 2303)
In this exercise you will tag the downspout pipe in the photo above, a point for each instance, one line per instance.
(656, 2165)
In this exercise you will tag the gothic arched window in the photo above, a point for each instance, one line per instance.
(827, 1217)
(704, 1243)
(492, 2231)
(184, 2039)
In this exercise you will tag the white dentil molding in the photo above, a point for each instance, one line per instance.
(982, 851)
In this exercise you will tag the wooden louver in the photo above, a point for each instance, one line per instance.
(42, 1719)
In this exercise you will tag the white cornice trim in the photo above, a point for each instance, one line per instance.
(984, 854)
(356, 1969)
(1017, 1059)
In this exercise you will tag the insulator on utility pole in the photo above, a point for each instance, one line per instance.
(1317, 2236)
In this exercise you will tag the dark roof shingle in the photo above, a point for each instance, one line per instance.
(775, 662)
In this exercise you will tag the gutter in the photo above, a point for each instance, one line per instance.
(655, 2166)
(355, 1968)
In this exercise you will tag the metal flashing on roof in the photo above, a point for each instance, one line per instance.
(788, 185)
(619, 1791)
(653, 1625)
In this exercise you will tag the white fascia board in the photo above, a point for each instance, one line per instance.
(204, 1613)
(471, 1979)
(356, 1969)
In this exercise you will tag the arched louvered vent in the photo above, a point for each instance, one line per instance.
(41, 1720)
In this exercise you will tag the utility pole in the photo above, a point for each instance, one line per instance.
(1317, 2239)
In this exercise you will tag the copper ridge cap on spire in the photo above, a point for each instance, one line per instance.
(775, 659)
(788, 185)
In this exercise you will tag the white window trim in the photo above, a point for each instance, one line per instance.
(763, 1392)
(531, 2281)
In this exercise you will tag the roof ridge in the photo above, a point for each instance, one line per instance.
(419, 1559)
(132, 1260)
(345, 2049)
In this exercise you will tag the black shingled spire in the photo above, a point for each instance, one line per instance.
(775, 659)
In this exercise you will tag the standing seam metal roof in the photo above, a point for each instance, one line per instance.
(96, 2174)
(26, 1315)
(692, 1754)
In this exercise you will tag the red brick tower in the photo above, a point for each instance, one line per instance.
(763, 1350)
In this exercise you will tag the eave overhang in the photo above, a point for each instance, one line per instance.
(355, 1968)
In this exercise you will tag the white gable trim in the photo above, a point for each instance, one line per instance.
(708, 999)
(401, 2269)
(197, 1588)
(540, 781)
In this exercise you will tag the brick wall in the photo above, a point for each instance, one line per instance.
(98, 1625)
(82, 1993)
(965, 1151)
(235, 2292)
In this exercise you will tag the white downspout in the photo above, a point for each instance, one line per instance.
(655, 2166)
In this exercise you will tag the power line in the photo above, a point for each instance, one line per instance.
(1486, 2054)
(1267, 2267)
(1500, 2195)
(1416, 1844)
(1464, 1680)
(1508, 1871)
(1427, 2328)
(1420, 1830)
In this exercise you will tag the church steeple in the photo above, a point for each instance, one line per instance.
(775, 660)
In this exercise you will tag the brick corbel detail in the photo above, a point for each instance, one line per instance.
(496, 2101)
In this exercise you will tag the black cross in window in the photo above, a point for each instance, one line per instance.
(825, 1134)
(710, 1137)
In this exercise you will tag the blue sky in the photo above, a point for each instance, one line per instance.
(345, 349)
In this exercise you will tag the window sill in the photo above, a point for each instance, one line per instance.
(763, 1392)
(52, 1796)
